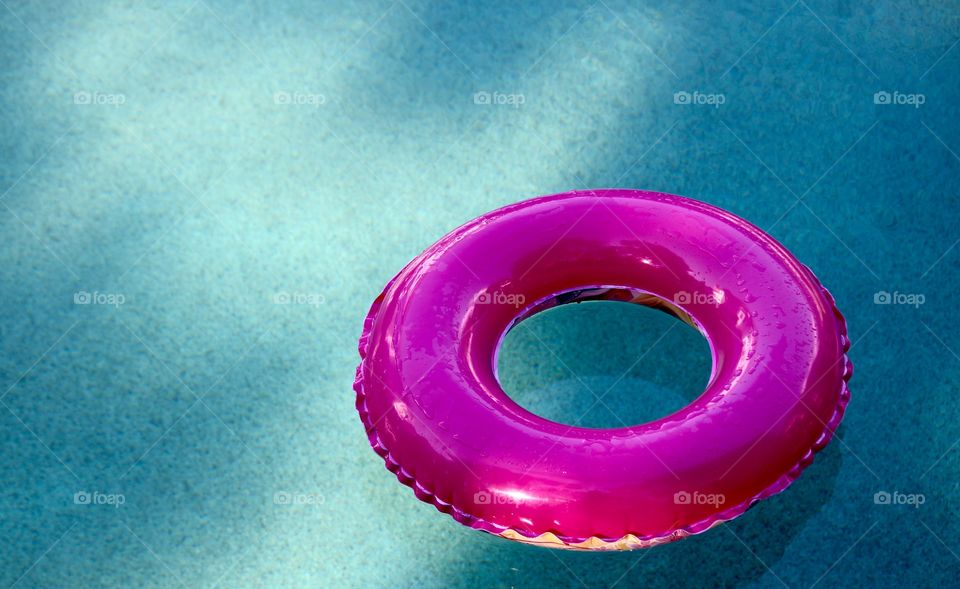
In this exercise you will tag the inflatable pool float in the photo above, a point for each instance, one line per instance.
(429, 398)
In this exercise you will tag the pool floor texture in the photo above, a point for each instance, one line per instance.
(199, 200)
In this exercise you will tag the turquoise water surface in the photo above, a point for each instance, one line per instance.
(200, 199)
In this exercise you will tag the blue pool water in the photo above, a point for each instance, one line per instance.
(200, 200)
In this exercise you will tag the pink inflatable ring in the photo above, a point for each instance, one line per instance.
(428, 394)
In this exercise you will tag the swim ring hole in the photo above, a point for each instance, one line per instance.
(643, 359)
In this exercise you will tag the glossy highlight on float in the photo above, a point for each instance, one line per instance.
(428, 395)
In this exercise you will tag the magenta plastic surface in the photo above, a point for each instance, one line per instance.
(432, 406)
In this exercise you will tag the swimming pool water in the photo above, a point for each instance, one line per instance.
(199, 201)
